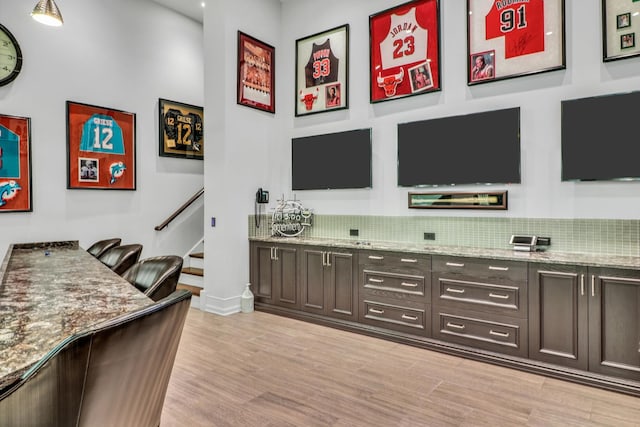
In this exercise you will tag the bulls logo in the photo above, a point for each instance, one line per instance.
(390, 83)
(309, 99)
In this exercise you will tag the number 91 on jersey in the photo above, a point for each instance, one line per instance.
(405, 50)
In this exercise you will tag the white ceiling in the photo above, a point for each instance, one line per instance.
(190, 8)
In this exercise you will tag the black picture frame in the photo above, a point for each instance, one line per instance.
(256, 74)
(181, 130)
(494, 200)
(619, 29)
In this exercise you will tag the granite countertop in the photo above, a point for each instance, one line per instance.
(549, 257)
(49, 292)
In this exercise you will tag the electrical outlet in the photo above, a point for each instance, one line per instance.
(429, 236)
(354, 232)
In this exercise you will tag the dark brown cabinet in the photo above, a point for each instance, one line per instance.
(274, 274)
(586, 318)
(328, 282)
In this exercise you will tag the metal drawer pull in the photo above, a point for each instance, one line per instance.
(500, 296)
(491, 267)
(408, 260)
(376, 280)
(409, 285)
(593, 285)
(456, 291)
(455, 264)
(582, 284)
(375, 257)
(455, 326)
(373, 310)
(405, 317)
(499, 334)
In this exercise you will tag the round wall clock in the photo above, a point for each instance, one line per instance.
(10, 57)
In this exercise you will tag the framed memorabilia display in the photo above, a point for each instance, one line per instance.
(15, 164)
(514, 38)
(493, 200)
(404, 50)
(256, 74)
(101, 149)
(322, 71)
(620, 23)
(181, 130)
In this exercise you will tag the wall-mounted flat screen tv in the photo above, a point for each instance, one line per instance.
(601, 138)
(478, 148)
(332, 161)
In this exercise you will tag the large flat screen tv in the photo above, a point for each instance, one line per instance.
(601, 138)
(332, 161)
(478, 148)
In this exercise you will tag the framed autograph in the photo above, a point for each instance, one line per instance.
(181, 130)
(514, 38)
(101, 148)
(256, 73)
(322, 70)
(620, 23)
(404, 50)
(15, 164)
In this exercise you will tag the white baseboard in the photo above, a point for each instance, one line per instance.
(220, 306)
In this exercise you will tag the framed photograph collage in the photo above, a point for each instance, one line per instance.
(256, 74)
(620, 23)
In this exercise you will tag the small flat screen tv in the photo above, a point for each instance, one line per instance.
(478, 148)
(601, 138)
(332, 161)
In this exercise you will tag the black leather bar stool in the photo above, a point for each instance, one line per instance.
(157, 276)
(101, 246)
(121, 258)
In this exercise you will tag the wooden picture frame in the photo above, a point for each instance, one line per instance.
(496, 200)
(404, 51)
(515, 39)
(181, 130)
(619, 28)
(15, 164)
(256, 74)
(101, 148)
(322, 72)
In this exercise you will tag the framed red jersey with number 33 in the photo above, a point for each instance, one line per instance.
(405, 50)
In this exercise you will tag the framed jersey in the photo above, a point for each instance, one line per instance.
(15, 164)
(512, 38)
(322, 65)
(620, 23)
(181, 130)
(256, 73)
(404, 51)
(101, 150)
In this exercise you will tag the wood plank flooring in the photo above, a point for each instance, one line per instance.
(259, 369)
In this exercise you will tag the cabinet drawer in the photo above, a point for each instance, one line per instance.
(496, 271)
(395, 260)
(502, 335)
(413, 320)
(395, 285)
(489, 297)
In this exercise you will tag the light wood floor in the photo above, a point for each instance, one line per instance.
(259, 369)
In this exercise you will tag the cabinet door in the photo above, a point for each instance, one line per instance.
(285, 277)
(558, 304)
(342, 285)
(312, 280)
(614, 322)
(262, 272)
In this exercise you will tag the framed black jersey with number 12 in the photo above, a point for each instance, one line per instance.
(322, 64)
(511, 38)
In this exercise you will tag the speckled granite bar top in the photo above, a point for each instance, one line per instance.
(549, 257)
(49, 292)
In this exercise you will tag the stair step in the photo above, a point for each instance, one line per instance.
(195, 290)
(197, 255)
(193, 270)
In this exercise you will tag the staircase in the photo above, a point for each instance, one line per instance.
(192, 276)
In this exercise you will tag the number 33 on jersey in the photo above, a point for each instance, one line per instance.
(102, 134)
(404, 39)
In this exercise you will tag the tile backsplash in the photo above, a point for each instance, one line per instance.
(597, 236)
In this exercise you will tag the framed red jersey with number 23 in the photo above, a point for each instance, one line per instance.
(405, 50)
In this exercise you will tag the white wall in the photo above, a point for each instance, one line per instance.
(120, 54)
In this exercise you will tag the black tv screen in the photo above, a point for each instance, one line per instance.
(468, 149)
(600, 138)
(332, 161)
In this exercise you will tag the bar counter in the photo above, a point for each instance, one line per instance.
(49, 291)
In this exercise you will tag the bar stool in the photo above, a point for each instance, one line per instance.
(101, 246)
(157, 276)
(121, 258)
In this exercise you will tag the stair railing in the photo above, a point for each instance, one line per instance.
(178, 211)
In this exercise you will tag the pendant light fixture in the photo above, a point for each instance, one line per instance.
(46, 12)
